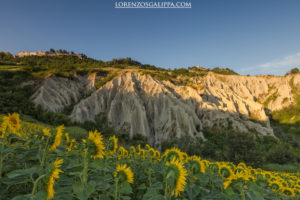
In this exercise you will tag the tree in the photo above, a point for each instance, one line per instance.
(294, 70)
(52, 51)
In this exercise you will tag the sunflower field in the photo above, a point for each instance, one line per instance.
(38, 162)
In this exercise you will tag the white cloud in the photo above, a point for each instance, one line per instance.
(287, 61)
(275, 67)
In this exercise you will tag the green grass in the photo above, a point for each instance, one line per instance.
(291, 168)
(10, 67)
(76, 132)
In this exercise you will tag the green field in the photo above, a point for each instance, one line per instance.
(10, 67)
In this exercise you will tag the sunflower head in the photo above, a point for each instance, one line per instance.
(151, 153)
(54, 174)
(225, 171)
(46, 132)
(67, 137)
(227, 183)
(173, 153)
(231, 165)
(242, 165)
(147, 147)
(176, 176)
(288, 191)
(196, 166)
(214, 167)
(275, 185)
(124, 173)
(122, 152)
(112, 144)
(95, 145)
(157, 154)
(14, 122)
(132, 150)
(57, 138)
(10, 122)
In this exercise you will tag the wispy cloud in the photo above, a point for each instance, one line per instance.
(286, 62)
(275, 67)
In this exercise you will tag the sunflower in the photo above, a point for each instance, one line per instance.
(147, 147)
(176, 170)
(122, 152)
(95, 144)
(227, 183)
(69, 148)
(242, 165)
(173, 153)
(151, 153)
(185, 156)
(132, 150)
(196, 165)
(142, 153)
(57, 139)
(53, 176)
(112, 144)
(157, 154)
(46, 132)
(13, 122)
(124, 173)
(275, 185)
(288, 191)
(4, 126)
(225, 171)
(67, 137)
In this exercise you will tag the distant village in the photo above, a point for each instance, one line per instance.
(52, 52)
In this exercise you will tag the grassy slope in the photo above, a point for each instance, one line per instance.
(74, 131)
(177, 76)
(288, 119)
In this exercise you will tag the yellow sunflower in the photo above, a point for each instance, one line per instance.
(227, 183)
(157, 154)
(4, 126)
(173, 153)
(124, 173)
(176, 170)
(242, 165)
(132, 150)
(69, 148)
(288, 191)
(95, 144)
(53, 176)
(67, 137)
(225, 171)
(46, 132)
(57, 139)
(196, 165)
(13, 122)
(275, 185)
(112, 144)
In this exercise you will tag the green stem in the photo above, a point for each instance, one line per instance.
(45, 154)
(116, 191)
(166, 191)
(149, 178)
(1, 157)
(243, 194)
(85, 167)
(35, 184)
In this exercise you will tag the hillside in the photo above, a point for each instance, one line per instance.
(160, 109)
(162, 106)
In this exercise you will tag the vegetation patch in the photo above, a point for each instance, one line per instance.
(43, 163)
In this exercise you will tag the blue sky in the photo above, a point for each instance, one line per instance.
(249, 36)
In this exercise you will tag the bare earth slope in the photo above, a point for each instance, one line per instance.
(161, 110)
